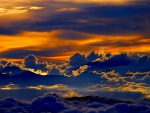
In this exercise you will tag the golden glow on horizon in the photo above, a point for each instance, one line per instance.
(39, 41)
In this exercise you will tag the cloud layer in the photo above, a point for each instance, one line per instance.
(54, 104)
(123, 76)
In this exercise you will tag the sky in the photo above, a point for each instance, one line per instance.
(51, 50)
(55, 29)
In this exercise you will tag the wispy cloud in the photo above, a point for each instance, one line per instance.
(18, 10)
(67, 9)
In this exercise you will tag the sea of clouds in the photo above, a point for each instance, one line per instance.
(52, 103)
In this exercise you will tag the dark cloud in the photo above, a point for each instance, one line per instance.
(107, 62)
(54, 104)
(10, 68)
(77, 59)
(103, 20)
(92, 56)
(8, 30)
(96, 19)
(101, 76)
(90, 20)
(51, 69)
(71, 35)
(30, 61)
(23, 52)
(132, 61)
(4, 61)
(131, 43)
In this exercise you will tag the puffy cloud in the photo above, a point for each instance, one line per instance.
(118, 108)
(55, 70)
(10, 68)
(54, 104)
(122, 63)
(115, 75)
(3, 61)
(48, 103)
(92, 56)
(44, 68)
(30, 61)
(77, 59)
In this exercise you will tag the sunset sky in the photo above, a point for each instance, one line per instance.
(97, 51)
(56, 29)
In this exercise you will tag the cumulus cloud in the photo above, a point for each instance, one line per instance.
(126, 74)
(54, 104)
(30, 61)
(10, 68)
(122, 63)
(3, 62)
(77, 59)
(92, 56)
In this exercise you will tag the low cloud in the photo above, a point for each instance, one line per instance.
(54, 104)
(124, 73)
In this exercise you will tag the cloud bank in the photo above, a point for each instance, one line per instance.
(54, 104)
(124, 76)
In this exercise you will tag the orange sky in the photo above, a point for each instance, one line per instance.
(57, 32)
